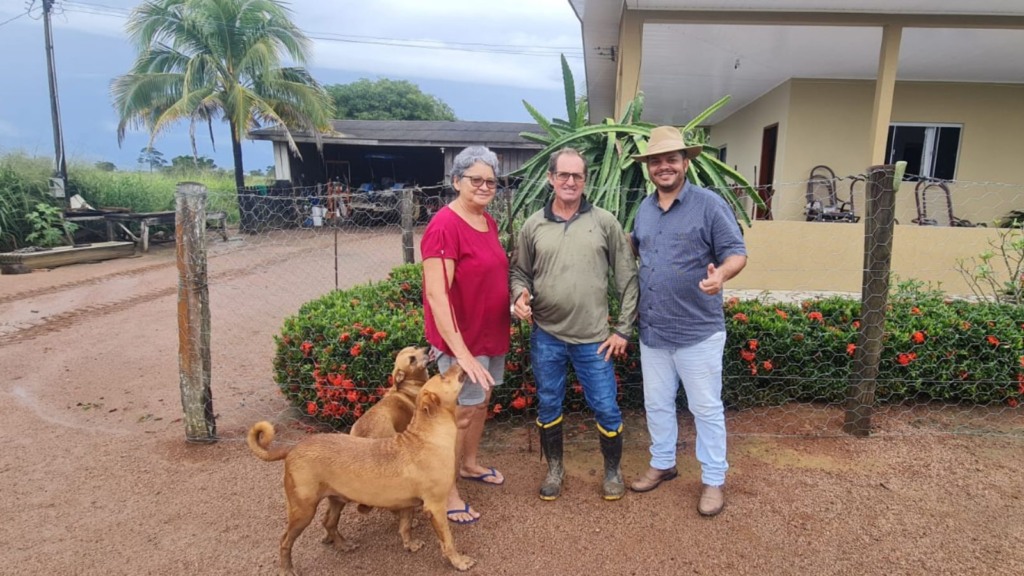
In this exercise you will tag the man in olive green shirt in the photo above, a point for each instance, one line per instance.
(560, 283)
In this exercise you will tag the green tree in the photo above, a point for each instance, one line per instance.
(386, 99)
(202, 60)
(186, 164)
(149, 156)
(104, 166)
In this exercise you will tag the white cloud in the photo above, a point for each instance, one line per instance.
(8, 130)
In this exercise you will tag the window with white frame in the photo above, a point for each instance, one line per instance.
(930, 150)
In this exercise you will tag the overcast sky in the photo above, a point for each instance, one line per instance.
(482, 58)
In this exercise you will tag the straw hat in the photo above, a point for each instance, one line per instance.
(668, 139)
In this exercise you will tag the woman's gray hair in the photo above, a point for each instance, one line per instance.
(471, 155)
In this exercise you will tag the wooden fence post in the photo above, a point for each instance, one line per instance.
(193, 313)
(878, 230)
(408, 219)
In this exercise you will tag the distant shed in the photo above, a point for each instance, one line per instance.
(383, 152)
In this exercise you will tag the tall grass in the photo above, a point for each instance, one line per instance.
(23, 184)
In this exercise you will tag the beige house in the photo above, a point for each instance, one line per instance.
(848, 85)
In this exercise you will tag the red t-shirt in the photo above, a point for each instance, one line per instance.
(478, 292)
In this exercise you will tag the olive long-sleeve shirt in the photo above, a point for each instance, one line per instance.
(565, 265)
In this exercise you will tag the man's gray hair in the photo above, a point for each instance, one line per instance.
(553, 160)
(471, 155)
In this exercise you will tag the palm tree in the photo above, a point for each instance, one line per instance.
(203, 60)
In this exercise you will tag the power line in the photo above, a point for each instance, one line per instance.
(76, 6)
(28, 10)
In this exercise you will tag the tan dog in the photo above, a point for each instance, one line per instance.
(393, 412)
(397, 473)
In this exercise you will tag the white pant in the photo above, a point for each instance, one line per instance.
(700, 369)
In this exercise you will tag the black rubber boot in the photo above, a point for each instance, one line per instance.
(611, 448)
(551, 448)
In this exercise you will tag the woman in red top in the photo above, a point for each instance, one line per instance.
(466, 314)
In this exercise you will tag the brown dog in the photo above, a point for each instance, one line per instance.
(394, 411)
(397, 473)
(392, 414)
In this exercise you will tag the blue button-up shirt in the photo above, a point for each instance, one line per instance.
(675, 247)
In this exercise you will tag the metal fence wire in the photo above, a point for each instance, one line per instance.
(832, 327)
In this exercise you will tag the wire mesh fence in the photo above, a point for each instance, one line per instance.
(950, 354)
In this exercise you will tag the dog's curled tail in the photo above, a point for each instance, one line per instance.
(259, 438)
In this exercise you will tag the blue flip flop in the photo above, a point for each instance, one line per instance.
(461, 511)
(483, 477)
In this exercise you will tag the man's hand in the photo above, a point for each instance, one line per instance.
(522, 308)
(615, 345)
(713, 283)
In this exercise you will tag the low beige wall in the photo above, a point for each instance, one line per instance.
(821, 256)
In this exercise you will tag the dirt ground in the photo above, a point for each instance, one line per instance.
(98, 479)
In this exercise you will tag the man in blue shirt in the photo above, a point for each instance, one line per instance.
(689, 244)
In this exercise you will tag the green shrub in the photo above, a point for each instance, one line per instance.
(934, 349)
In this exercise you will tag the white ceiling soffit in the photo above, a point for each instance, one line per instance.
(687, 67)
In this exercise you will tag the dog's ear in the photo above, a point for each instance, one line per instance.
(430, 402)
(397, 376)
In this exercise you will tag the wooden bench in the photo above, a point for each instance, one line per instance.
(147, 219)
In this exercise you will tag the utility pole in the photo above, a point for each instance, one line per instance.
(58, 184)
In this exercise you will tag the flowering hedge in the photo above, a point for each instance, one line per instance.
(335, 356)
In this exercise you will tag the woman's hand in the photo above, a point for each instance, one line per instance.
(476, 371)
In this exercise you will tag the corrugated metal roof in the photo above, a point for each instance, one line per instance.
(416, 133)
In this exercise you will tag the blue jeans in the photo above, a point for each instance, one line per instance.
(549, 357)
(700, 368)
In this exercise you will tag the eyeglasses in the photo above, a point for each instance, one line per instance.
(563, 177)
(478, 181)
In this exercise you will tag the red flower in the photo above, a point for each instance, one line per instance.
(732, 301)
(915, 311)
(358, 411)
(856, 324)
(964, 374)
(352, 396)
(311, 408)
(519, 403)
(1022, 361)
(740, 317)
(747, 355)
(577, 388)
(496, 409)
(752, 344)
(851, 348)
(306, 348)
(917, 337)
(903, 359)
(345, 337)
(367, 331)
(753, 369)
(1012, 402)
(767, 365)
(816, 317)
(992, 340)
(965, 325)
(1020, 384)
(405, 286)
(782, 314)
(356, 350)
(378, 336)
(334, 379)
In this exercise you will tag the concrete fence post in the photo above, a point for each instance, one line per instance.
(193, 313)
(878, 231)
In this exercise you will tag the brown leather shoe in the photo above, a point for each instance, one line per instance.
(652, 478)
(712, 500)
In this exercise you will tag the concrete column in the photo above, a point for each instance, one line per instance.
(885, 86)
(628, 57)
